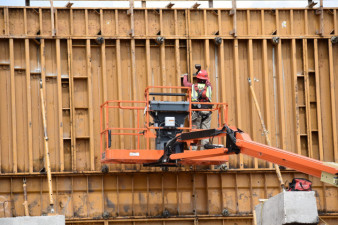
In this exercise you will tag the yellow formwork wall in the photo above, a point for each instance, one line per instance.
(294, 81)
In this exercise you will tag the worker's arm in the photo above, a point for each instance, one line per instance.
(208, 84)
(186, 83)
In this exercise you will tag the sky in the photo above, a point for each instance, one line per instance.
(181, 4)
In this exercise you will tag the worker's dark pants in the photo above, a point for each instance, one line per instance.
(201, 120)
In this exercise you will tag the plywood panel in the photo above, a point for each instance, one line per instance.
(16, 25)
(168, 22)
(140, 25)
(196, 22)
(79, 20)
(33, 25)
(255, 22)
(109, 22)
(63, 22)
(94, 22)
(46, 22)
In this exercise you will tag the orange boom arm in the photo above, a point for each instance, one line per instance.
(240, 142)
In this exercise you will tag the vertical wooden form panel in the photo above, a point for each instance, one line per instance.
(135, 91)
(333, 103)
(177, 62)
(119, 81)
(281, 102)
(267, 113)
(307, 102)
(13, 103)
(254, 114)
(238, 95)
(90, 104)
(319, 111)
(294, 90)
(72, 105)
(60, 113)
(325, 100)
(29, 107)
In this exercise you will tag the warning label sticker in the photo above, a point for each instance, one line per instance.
(134, 154)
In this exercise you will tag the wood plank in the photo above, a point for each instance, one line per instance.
(25, 20)
(116, 21)
(291, 23)
(135, 91)
(104, 71)
(175, 18)
(277, 21)
(306, 22)
(56, 22)
(266, 87)
(189, 55)
(148, 66)
(333, 103)
(72, 100)
(60, 113)
(307, 98)
(177, 62)
(29, 107)
(163, 70)
(238, 93)
(13, 106)
(132, 20)
(146, 21)
(295, 95)
(207, 55)
(318, 101)
(52, 17)
(161, 22)
(262, 22)
(223, 81)
(86, 21)
(281, 96)
(6, 19)
(222, 71)
(335, 22)
(90, 104)
(248, 22)
(220, 30)
(71, 27)
(119, 81)
(101, 23)
(205, 21)
(40, 21)
(253, 110)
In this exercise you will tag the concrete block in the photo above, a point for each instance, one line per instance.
(34, 220)
(290, 207)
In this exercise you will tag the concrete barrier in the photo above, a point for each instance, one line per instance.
(34, 220)
(292, 207)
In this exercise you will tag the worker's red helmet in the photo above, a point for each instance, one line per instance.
(203, 75)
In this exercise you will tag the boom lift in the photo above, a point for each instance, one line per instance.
(173, 140)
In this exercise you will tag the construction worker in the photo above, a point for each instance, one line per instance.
(200, 92)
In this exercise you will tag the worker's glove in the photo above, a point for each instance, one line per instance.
(207, 83)
(204, 94)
